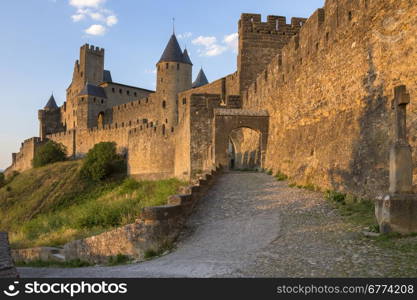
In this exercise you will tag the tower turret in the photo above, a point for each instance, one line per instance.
(49, 118)
(200, 80)
(174, 71)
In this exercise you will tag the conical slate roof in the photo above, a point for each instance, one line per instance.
(200, 80)
(92, 90)
(107, 76)
(187, 59)
(51, 104)
(173, 52)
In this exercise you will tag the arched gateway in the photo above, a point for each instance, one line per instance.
(231, 127)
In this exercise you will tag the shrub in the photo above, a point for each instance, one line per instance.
(101, 161)
(48, 153)
(119, 259)
(2, 179)
(335, 196)
(281, 176)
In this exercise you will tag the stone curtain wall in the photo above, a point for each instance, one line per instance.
(151, 153)
(329, 94)
(225, 87)
(22, 160)
(132, 112)
(66, 138)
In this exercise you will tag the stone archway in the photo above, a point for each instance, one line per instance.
(100, 120)
(244, 150)
(229, 121)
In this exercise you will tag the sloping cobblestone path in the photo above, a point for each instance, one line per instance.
(250, 225)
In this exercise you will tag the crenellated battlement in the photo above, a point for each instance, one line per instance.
(92, 49)
(318, 34)
(274, 25)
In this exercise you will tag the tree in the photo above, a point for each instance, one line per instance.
(48, 153)
(101, 161)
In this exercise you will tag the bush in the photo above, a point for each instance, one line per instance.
(335, 196)
(2, 179)
(48, 153)
(101, 161)
(281, 176)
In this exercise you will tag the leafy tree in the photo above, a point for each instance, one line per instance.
(48, 153)
(101, 161)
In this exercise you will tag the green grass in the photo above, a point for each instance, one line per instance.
(119, 259)
(356, 210)
(51, 205)
(152, 253)
(76, 263)
(309, 187)
(281, 176)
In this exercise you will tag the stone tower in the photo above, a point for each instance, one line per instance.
(49, 118)
(89, 68)
(174, 71)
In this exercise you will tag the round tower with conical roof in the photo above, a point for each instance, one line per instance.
(49, 118)
(174, 75)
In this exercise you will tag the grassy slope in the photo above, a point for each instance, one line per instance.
(52, 205)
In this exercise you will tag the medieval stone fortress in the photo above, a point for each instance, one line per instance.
(322, 100)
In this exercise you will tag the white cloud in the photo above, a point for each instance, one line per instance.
(96, 16)
(231, 41)
(94, 10)
(111, 20)
(96, 29)
(78, 17)
(185, 35)
(86, 3)
(211, 47)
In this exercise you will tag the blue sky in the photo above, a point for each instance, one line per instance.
(40, 41)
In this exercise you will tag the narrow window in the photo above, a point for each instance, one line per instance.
(166, 66)
(350, 16)
(184, 100)
(120, 91)
(135, 94)
(127, 92)
(164, 104)
(178, 67)
(112, 89)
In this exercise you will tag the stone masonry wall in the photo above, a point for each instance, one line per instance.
(151, 153)
(260, 41)
(7, 268)
(329, 94)
(22, 160)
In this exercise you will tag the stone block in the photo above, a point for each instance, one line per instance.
(397, 213)
(161, 212)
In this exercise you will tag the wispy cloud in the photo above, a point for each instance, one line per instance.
(86, 3)
(231, 41)
(212, 47)
(94, 10)
(184, 35)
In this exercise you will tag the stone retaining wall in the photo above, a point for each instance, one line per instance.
(156, 228)
(7, 268)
